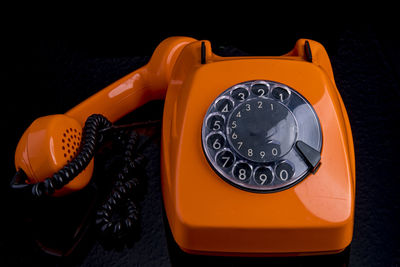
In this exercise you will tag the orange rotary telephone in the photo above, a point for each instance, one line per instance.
(257, 152)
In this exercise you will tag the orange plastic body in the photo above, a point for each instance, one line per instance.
(48, 145)
(40, 150)
(147, 83)
(208, 215)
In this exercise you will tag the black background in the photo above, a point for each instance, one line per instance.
(45, 74)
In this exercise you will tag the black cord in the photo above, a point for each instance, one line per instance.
(90, 138)
(118, 215)
(120, 200)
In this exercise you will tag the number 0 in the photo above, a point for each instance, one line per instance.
(284, 175)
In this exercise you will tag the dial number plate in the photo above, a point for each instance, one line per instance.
(249, 134)
(261, 130)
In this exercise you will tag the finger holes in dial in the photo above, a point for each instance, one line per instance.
(280, 93)
(225, 159)
(224, 105)
(250, 128)
(215, 122)
(263, 175)
(240, 93)
(260, 89)
(242, 171)
(284, 171)
(215, 141)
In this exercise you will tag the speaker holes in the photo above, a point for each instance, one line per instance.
(71, 138)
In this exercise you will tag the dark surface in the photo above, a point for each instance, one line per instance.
(41, 77)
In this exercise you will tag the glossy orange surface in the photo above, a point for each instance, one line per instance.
(147, 83)
(41, 151)
(47, 145)
(208, 215)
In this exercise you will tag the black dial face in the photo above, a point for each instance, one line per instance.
(250, 131)
(261, 129)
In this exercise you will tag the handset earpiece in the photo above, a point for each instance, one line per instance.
(53, 142)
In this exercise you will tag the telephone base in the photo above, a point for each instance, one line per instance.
(179, 257)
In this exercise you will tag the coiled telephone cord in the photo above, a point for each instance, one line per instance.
(119, 200)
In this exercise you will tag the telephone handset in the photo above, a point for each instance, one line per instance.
(240, 138)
